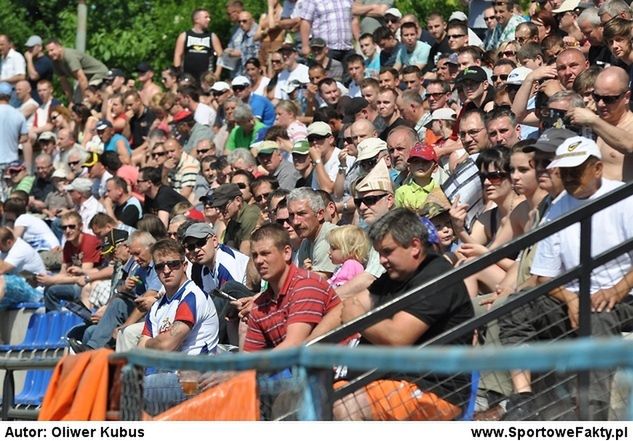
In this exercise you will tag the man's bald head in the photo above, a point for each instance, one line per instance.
(569, 64)
(614, 74)
(612, 95)
(363, 129)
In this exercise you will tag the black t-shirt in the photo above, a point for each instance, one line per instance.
(165, 200)
(139, 126)
(127, 213)
(440, 47)
(441, 311)
(399, 122)
(41, 189)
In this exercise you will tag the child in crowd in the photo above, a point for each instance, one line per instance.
(422, 163)
(349, 248)
(441, 219)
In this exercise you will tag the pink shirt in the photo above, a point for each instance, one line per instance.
(346, 272)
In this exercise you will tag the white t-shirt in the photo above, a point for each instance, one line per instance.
(24, 258)
(610, 227)
(204, 115)
(261, 89)
(36, 232)
(331, 167)
(300, 73)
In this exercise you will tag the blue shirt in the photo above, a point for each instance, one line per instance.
(12, 126)
(110, 146)
(262, 109)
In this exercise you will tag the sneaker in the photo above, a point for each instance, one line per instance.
(521, 407)
(78, 346)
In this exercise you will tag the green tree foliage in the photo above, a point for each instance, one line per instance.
(122, 33)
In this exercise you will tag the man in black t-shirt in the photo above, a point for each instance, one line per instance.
(403, 244)
(140, 117)
(120, 204)
(159, 199)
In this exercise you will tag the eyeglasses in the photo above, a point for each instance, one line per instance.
(508, 53)
(73, 163)
(68, 227)
(348, 140)
(369, 201)
(472, 133)
(499, 77)
(495, 177)
(238, 88)
(199, 243)
(242, 185)
(282, 221)
(172, 264)
(607, 99)
(158, 154)
(262, 197)
(456, 36)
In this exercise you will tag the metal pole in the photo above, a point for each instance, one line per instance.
(82, 19)
(584, 328)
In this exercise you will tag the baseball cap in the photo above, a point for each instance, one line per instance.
(458, 15)
(453, 59)
(220, 86)
(199, 231)
(113, 239)
(444, 113)
(319, 128)
(80, 184)
(550, 139)
(317, 42)
(194, 215)
(567, 6)
(47, 136)
(575, 151)
(5, 89)
(113, 73)
(394, 11)
(222, 195)
(92, 160)
(33, 40)
(15, 165)
(370, 147)
(291, 86)
(59, 174)
(517, 75)
(103, 124)
(182, 115)
(143, 67)
(240, 80)
(423, 151)
(267, 147)
(301, 147)
(472, 73)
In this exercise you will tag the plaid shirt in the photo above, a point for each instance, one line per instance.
(330, 21)
(501, 34)
(245, 42)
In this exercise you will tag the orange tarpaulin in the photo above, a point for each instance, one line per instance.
(78, 390)
(232, 400)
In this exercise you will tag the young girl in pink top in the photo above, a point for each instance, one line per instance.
(349, 248)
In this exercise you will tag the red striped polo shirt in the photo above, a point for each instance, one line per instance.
(304, 298)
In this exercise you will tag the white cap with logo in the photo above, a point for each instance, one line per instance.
(574, 152)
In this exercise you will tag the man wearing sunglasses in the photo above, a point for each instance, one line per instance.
(80, 191)
(613, 122)
(261, 106)
(269, 156)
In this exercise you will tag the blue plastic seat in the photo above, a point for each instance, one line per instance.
(29, 382)
(35, 394)
(58, 328)
(45, 330)
(34, 325)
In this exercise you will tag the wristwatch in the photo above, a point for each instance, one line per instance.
(318, 161)
(342, 170)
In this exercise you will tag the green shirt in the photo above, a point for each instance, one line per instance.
(26, 184)
(413, 196)
(240, 140)
(241, 228)
(74, 60)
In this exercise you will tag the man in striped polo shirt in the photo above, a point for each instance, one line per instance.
(294, 303)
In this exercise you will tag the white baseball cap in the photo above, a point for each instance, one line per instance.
(575, 151)
(517, 75)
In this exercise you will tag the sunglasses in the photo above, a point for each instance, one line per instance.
(499, 77)
(158, 154)
(490, 18)
(456, 36)
(508, 53)
(392, 20)
(282, 221)
(68, 227)
(436, 95)
(172, 264)
(73, 163)
(192, 245)
(262, 197)
(238, 88)
(241, 185)
(275, 61)
(203, 151)
(368, 164)
(315, 138)
(369, 201)
(218, 93)
(495, 177)
(348, 140)
(607, 99)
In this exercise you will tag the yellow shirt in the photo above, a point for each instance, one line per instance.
(412, 195)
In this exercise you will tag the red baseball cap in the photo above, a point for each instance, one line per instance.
(424, 151)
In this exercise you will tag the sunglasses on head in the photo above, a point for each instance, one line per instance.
(495, 177)
(198, 243)
(172, 264)
(607, 99)
(369, 201)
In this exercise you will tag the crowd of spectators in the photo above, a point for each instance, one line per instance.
(317, 162)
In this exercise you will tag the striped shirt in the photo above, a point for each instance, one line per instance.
(185, 173)
(191, 306)
(330, 21)
(304, 298)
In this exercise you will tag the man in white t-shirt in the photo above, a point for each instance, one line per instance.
(557, 315)
(29, 227)
(324, 156)
(293, 71)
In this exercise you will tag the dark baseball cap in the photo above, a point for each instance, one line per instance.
(550, 139)
(222, 195)
(143, 67)
(114, 238)
(113, 73)
(317, 42)
(472, 73)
